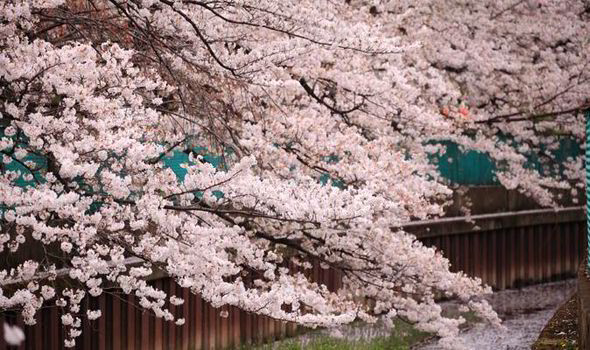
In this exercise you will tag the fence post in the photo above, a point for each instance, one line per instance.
(587, 163)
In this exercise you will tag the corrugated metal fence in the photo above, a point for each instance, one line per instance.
(511, 250)
(506, 250)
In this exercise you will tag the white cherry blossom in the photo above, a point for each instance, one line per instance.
(321, 118)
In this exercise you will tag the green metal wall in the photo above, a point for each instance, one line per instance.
(478, 169)
(464, 168)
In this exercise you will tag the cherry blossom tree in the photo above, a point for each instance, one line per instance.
(286, 93)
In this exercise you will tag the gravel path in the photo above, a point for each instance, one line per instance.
(525, 312)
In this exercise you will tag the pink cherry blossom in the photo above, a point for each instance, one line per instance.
(286, 94)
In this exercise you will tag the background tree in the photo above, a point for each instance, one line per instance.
(285, 93)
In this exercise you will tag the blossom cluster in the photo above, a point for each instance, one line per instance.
(285, 93)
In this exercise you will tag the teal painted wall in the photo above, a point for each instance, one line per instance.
(174, 160)
(465, 168)
(476, 168)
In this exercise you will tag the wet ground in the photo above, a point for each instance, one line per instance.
(524, 312)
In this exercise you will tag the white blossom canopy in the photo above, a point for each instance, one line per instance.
(285, 92)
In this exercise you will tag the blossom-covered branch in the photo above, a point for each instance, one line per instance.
(94, 95)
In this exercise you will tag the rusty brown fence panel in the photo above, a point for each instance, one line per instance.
(510, 250)
(506, 250)
(125, 326)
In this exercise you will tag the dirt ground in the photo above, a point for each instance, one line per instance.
(561, 332)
